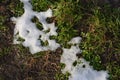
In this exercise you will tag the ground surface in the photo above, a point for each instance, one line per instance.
(98, 23)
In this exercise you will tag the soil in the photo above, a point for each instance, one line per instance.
(16, 66)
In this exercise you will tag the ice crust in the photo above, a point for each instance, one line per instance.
(27, 30)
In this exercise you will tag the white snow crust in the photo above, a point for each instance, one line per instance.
(27, 30)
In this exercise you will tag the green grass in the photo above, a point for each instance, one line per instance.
(99, 26)
(103, 39)
(16, 9)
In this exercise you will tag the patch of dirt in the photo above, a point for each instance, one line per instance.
(15, 66)
(108, 56)
(6, 34)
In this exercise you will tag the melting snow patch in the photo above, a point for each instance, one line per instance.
(75, 40)
(27, 30)
(68, 57)
(83, 71)
(33, 37)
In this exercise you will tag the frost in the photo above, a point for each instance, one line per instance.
(33, 39)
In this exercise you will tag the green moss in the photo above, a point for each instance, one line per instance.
(101, 38)
(16, 8)
(62, 76)
(62, 65)
(40, 54)
(43, 5)
(75, 63)
(38, 24)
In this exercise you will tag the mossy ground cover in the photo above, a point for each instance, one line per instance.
(98, 24)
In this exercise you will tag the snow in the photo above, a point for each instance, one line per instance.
(75, 40)
(27, 30)
(68, 57)
(83, 71)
